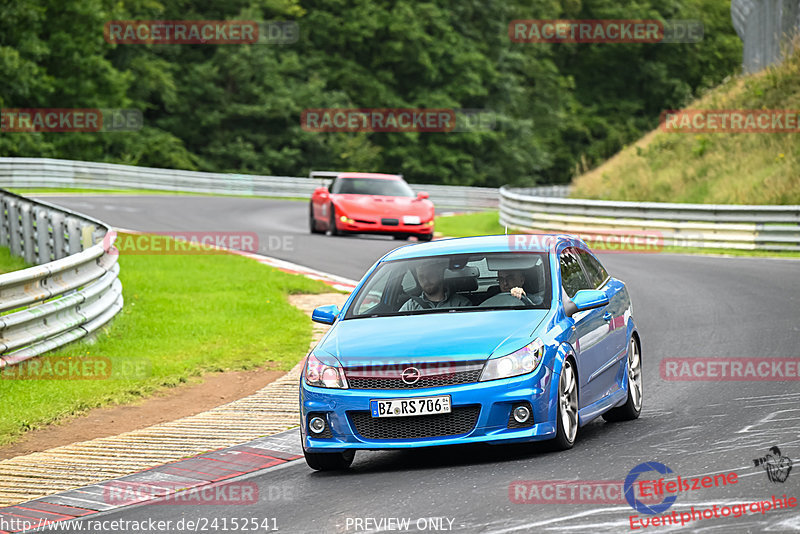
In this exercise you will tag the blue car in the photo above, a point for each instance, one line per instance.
(499, 339)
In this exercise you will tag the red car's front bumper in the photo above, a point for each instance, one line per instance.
(378, 227)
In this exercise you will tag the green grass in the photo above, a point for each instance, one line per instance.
(184, 315)
(487, 223)
(482, 223)
(82, 190)
(10, 263)
(712, 168)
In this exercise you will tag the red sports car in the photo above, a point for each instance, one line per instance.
(368, 203)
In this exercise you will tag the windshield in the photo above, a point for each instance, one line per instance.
(463, 282)
(372, 186)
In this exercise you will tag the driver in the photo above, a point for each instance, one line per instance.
(511, 281)
(434, 293)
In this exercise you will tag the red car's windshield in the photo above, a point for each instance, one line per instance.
(371, 186)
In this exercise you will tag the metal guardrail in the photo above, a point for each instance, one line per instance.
(679, 225)
(41, 172)
(766, 28)
(73, 290)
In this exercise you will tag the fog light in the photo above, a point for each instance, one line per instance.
(521, 414)
(316, 425)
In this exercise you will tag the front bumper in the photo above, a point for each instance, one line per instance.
(494, 398)
(384, 229)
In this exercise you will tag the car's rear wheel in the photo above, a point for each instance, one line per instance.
(332, 230)
(567, 413)
(633, 406)
(329, 461)
(312, 222)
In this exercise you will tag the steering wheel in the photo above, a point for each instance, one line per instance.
(506, 300)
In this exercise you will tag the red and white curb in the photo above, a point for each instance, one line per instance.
(180, 482)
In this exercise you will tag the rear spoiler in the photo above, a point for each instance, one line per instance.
(330, 175)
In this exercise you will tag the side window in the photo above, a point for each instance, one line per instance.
(372, 298)
(597, 273)
(409, 283)
(572, 277)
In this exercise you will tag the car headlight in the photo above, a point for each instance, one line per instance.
(520, 362)
(322, 375)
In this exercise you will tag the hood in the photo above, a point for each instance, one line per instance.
(380, 206)
(452, 337)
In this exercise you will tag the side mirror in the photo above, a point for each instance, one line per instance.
(325, 314)
(422, 195)
(585, 299)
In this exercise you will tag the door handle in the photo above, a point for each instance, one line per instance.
(607, 316)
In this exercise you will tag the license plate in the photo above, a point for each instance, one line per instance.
(409, 407)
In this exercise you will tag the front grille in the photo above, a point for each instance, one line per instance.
(447, 379)
(390, 222)
(460, 421)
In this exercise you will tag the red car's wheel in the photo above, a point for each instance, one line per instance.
(312, 222)
(332, 230)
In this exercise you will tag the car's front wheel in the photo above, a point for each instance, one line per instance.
(425, 237)
(567, 413)
(312, 222)
(633, 407)
(329, 461)
(332, 230)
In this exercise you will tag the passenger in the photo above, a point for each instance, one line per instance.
(511, 281)
(434, 293)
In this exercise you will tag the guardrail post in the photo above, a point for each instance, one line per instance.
(59, 243)
(5, 223)
(43, 240)
(28, 234)
(73, 235)
(14, 230)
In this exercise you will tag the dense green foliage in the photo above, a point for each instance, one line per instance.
(236, 108)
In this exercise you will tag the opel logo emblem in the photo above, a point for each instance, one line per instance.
(410, 375)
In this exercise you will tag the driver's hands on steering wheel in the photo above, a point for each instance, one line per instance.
(517, 292)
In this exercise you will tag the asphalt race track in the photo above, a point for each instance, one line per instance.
(685, 306)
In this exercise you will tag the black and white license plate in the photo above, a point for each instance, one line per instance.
(409, 407)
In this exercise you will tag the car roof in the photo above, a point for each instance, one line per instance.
(489, 243)
(372, 175)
